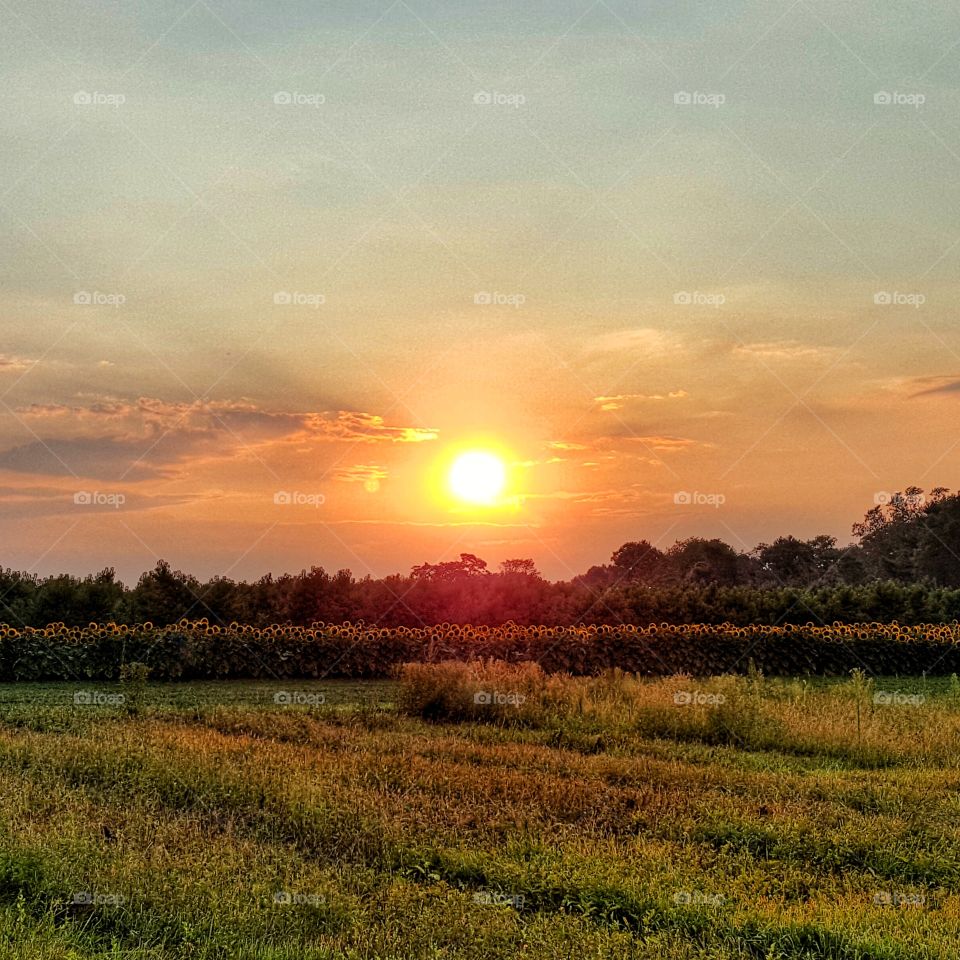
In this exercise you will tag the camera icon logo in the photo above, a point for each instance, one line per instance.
(683, 98)
(882, 98)
(82, 99)
(83, 498)
(682, 298)
(282, 298)
(282, 97)
(282, 498)
(283, 898)
(682, 697)
(82, 298)
(682, 498)
(882, 298)
(483, 697)
(482, 97)
(482, 298)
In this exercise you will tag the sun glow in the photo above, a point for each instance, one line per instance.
(477, 477)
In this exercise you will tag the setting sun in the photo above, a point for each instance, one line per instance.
(477, 477)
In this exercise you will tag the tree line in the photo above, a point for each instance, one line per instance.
(904, 564)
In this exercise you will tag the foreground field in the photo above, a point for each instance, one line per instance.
(531, 817)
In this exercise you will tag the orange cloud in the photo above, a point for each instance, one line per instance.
(366, 473)
(618, 401)
(14, 364)
(135, 439)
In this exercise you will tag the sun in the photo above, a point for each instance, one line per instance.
(477, 477)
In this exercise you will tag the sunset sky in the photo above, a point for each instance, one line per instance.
(315, 249)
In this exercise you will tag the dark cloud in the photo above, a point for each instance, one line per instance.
(934, 385)
(96, 458)
(121, 440)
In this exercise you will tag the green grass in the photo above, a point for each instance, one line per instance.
(597, 819)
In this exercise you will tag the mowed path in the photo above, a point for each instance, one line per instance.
(234, 828)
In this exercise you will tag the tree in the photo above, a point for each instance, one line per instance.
(519, 568)
(792, 562)
(469, 565)
(639, 560)
(165, 596)
(702, 561)
(938, 544)
(890, 533)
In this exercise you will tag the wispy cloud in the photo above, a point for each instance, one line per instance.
(567, 445)
(10, 364)
(620, 400)
(930, 386)
(367, 473)
(783, 350)
(636, 342)
(111, 438)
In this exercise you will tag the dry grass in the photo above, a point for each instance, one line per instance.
(630, 825)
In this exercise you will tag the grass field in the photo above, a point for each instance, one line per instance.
(679, 818)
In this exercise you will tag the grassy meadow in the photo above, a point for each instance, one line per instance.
(480, 811)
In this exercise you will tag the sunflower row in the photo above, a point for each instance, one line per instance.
(201, 650)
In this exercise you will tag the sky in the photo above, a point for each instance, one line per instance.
(688, 268)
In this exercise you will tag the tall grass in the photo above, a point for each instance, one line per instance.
(852, 719)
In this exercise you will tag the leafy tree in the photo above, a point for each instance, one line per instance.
(164, 595)
(468, 565)
(700, 561)
(938, 546)
(794, 562)
(639, 560)
(890, 533)
(519, 568)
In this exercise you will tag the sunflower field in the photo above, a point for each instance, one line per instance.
(198, 650)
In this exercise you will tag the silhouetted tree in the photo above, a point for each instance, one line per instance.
(519, 568)
(165, 596)
(700, 561)
(468, 565)
(639, 560)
